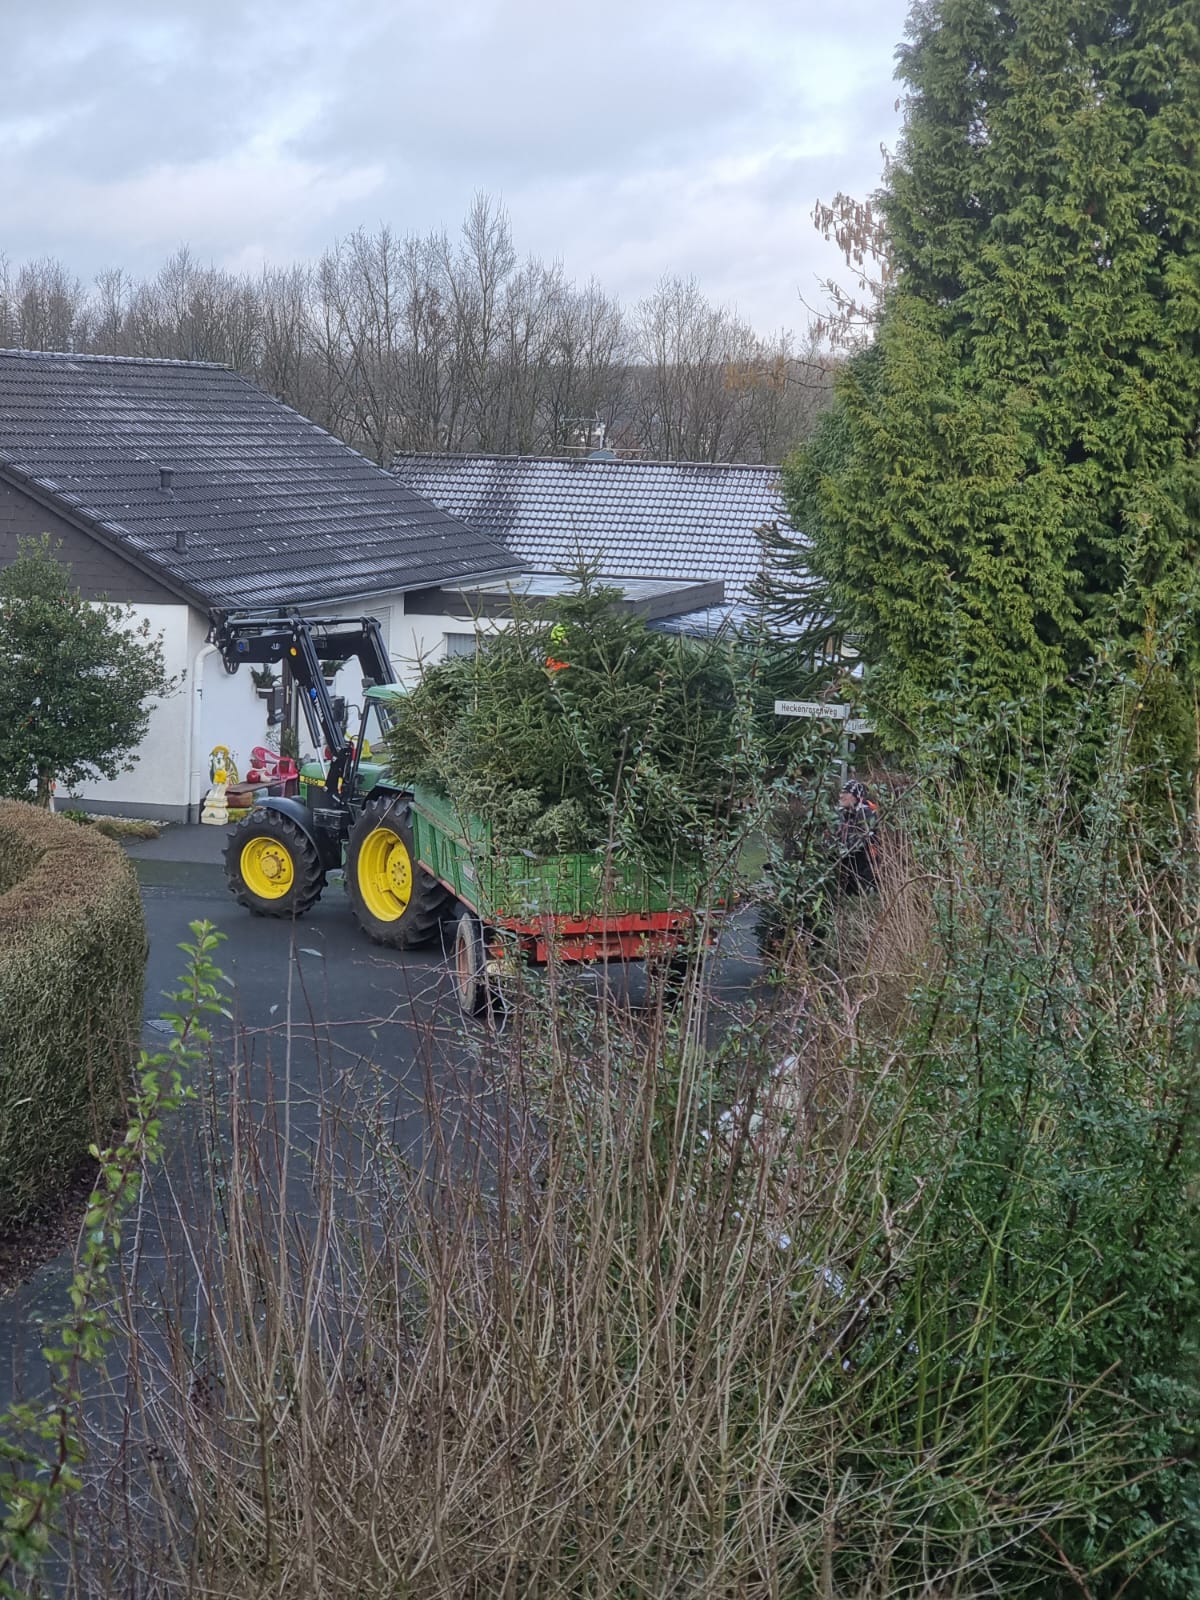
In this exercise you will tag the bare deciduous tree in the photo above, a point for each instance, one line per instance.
(857, 228)
(428, 343)
(710, 389)
(42, 306)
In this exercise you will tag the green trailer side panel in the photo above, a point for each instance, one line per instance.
(458, 851)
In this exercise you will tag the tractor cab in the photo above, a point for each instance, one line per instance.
(366, 733)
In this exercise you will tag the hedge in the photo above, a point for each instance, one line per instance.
(72, 967)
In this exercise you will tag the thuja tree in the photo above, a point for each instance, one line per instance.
(78, 683)
(1008, 481)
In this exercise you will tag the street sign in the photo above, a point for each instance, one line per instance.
(858, 725)
(811, 708)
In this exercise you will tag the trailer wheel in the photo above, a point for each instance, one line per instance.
(272, 866)
(395, 901)
(470, 963)
(668, 976)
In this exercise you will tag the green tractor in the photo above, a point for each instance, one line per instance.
(278, 859)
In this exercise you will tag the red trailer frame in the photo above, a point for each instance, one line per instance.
(632, 937)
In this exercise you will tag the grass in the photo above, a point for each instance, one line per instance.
(118, 828)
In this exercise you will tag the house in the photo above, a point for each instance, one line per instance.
(179, 488)
(643, 520)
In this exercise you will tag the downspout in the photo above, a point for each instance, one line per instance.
(197, 774)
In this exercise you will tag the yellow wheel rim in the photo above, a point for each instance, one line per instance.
(267, 868)
(385, 874)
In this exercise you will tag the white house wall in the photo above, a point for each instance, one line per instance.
(421, 640)
(411, 640)
(210, 707)
(157, 785)
(228, 714)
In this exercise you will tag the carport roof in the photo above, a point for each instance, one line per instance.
(635, 519)
(231, 497)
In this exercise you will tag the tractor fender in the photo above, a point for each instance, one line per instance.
(388, 791)
(327, 845)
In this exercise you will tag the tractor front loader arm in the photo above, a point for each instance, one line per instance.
(303, 643)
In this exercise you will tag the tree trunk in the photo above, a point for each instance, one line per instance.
(45, 785)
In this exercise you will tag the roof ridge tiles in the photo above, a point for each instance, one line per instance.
(128, 361)
(586, 461)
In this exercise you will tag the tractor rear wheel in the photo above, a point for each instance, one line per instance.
(394, 900)
(272, 866)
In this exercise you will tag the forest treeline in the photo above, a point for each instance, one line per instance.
(405, 342)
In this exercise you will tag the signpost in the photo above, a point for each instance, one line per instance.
(823, 711)
(820, 709)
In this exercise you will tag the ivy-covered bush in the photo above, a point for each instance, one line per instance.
(72, 963)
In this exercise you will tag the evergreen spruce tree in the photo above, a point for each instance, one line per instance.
(1008, 480)
(578, 720)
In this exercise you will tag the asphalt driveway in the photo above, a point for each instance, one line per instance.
(320, 1017)
(322, 1013)
(358, 1000)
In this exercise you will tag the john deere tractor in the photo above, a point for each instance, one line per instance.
(278, 858)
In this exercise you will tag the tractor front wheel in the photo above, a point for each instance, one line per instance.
(272, 866)
(395, 901)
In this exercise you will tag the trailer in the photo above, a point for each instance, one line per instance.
(580, 907)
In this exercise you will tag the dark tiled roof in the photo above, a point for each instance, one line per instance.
(639, 519)
(272, 510)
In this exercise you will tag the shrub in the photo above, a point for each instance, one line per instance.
(915, 1317)
(79, 682)
(72, 961)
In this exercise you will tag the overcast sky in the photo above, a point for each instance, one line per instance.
(630, 140)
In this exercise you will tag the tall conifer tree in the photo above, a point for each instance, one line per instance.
(1009, 476)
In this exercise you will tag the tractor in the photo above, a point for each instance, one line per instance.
(278, 859)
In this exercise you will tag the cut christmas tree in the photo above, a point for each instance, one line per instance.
(578, 726)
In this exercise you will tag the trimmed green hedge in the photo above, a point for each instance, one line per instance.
(72, 967)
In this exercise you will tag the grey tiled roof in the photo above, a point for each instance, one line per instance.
(639, 519)
(269, 508)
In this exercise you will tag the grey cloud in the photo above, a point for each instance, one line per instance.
(118, 118)
(135, 84)
(583, 97)
(269, 126)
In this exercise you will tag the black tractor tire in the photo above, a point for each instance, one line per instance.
(395, 901)
(266, 852)
(469, 964)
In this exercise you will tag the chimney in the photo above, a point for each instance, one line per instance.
(180, 542)
(166, 476)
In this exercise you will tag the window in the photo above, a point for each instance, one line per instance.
(462, 644)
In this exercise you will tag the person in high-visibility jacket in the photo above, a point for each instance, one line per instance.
(558, 638)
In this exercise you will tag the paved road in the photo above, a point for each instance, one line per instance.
(369, 1027)
(365, 1025)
